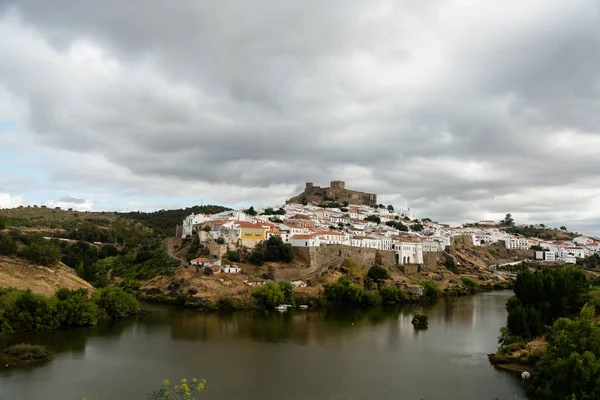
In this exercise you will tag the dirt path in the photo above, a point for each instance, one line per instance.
(170, 244)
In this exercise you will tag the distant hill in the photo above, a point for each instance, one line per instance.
(166, 220)
(542, 233)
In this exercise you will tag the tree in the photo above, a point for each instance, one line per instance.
(563, 228)
(2, 223)
(220, 240)
(233, 256)
(250, 211)
(416, 227)
(269, 295)
(377, 273)
(373, 218)
(508, 220)
(390, 208)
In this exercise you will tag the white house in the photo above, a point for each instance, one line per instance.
(205, 262)
(431, 245)
(332, 237)
(231, 269)
(569, 259)
(305, 241)
(192, 220)
(517, 243)
(582, 240)
(408, 252)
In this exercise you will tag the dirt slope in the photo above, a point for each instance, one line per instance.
(40, 279)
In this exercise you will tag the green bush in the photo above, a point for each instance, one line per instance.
(371, 298)
(76, 308)
(8, 245)
(344, 293)
(451, 265)
(26, 352)
(431, 289)
(2, 223)
(393, 294)
(377, 273)
(41, 253)
(269, 295)
(114, 302)
(233, 256)
(26, 311)
(289, 297)
(470, 283)
(131, 286)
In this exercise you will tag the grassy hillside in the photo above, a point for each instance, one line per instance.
(542, 233)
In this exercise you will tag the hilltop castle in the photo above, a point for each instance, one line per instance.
(337, 192)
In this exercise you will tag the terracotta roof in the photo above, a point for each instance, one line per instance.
(201, 259)
(329, 233)
(246, 224)
(303, 237)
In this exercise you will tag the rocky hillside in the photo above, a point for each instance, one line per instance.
(40, 279)
(479, 258)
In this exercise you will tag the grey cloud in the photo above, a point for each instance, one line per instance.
(443, 108)
(71, 199)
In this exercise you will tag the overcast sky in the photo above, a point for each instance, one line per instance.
(462, 110)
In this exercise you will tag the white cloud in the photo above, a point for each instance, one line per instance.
(8, 201)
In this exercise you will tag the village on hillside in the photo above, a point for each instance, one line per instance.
(365, 226)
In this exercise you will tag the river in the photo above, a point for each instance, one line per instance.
(329, 354)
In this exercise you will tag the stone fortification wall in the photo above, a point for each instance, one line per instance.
(333, 256)
(430, 260)
(337, 192)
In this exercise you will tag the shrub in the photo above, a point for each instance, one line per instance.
(26, 351)
(41, 253)
(131, 286)
(431, 289)
(371, 298)
(8, 245)
(289, 297)
(269, 295)
(451, 265)
(26, 311)
(233, 256)
(2, 223)
(178, 392)
(393, 294)
(377, 273)
(343, 292)
(114, 302)
(470, 283)
(76, 308)
(220, 240)
(108, 251)
(208, 271)
(257, 257)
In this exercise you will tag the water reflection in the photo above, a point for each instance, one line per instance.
(328, 354)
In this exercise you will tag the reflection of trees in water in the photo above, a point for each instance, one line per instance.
(66, 340)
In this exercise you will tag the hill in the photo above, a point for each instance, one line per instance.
(542, 233)
(39, 278)
(165, 221)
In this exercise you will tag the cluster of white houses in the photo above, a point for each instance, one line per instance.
(312, 226)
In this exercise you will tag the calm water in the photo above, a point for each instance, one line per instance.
(372, 354)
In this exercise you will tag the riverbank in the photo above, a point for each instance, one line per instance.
(24, 354)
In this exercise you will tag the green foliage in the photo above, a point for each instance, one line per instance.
(26, 311)
(390, 208)
(194, 247)
(571, 366)
(398, 225)
(269, 295)
(469, 283)
(233, 256)
(276, 220)
(543, 296)
(2, 223)
(250, 211)
(108, 250)
(377, 273)
(393, 294)
(270, 211)
(158, 263)
(114, 302)
(165, 221)
(451, 265)
(41, 253)
(563, 228)
(27, 352)
(343, 292)
(592, 261)
(76, 308)
(8, 245)
(416, 227)
(131, 286)
(272, 250)
(220, 240)
(508, 220)
(183, 391)
(542, 233)
(371, 298)
(373, 218)
(289, 297)
(431, 289)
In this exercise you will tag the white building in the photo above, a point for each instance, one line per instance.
(192, 220)
(431, 245)
(569, 259)
(332, 237)
(408, 252)
(517, 243)
(231, 269)
(545, 255)
(305, 241)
